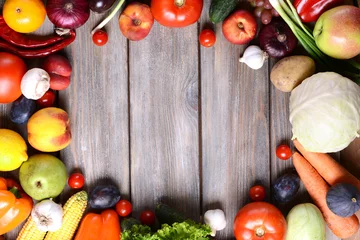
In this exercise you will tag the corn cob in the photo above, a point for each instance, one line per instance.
(30, 231)
(73, 211)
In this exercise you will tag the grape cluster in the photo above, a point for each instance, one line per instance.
(263, 10)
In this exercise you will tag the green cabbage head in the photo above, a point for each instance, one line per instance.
(325, 112)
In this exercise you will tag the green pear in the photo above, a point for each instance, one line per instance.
(337, 32)
(43, 176)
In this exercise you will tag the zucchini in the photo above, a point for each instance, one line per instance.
(127, 223)
(168, 215)
(220, 9)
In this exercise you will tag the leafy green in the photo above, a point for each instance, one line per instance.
(186, 230)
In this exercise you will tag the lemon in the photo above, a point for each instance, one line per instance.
(12, 150)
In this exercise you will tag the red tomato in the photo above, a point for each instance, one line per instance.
(100, 38)
(12, 69)
(47, 100)
(207, 38)
(257, 193)
(176, 13)
(76, 180)
(259, 221)
(283, 152)
(123, 208)
(147, 217)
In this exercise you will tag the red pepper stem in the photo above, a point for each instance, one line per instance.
(15, 191)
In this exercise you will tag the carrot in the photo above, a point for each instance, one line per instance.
(317, 189)
(327, 167)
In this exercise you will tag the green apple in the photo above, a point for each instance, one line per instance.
(337, 32)
(43, 176)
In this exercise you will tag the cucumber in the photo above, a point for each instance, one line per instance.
(166, 214)
(127, 223)
(220, 9)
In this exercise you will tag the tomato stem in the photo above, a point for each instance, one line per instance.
(259, 232)
(179, 3)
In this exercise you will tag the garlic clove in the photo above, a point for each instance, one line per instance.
(35, 83)
(254, 57)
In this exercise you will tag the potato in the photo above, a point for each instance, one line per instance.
(291, 71)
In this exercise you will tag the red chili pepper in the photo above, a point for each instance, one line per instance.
(310, 10)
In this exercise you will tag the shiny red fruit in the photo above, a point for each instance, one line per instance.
(257, 193)
(100, 38)
(123, 208)
(207, 38)
(283, 152)
(147, 217)
(47, 100)
(76, 180)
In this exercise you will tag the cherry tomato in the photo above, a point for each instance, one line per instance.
(207, 38)
(47, 100)
(257, 193)
(100, 38)
(76, 180)
(123, 208)
(283, 152)
(147, 217)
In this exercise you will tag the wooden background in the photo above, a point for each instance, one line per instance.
(168, 120)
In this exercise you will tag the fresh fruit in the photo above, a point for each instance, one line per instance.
(343, 199)
(104, 196)
(220, 9)
(43, 176)
(337, 32)
(207, 38)
(240, 27)
(22, 109)
(263, 10)
(100, 6)
(123, 208)
(257, 193)
(286, 187)
(47, 100)
(100, 38)
(49, 130)
(13, 150)
(12, 69)
(147, 217)
(283, 152)
(76, 180)
(24, 16)
(59, 69)
(136, 21)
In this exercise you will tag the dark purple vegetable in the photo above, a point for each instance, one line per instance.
(22, 109)
(286, 187)
(277, 39)
(104, 196)
(100, 6)
(68, 13)
(343, 199)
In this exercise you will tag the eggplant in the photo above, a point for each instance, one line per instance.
(343, 199)
(100, 6)
(104, 196)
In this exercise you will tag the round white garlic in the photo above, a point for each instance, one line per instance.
(254, 57)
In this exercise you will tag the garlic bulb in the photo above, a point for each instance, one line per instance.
(215, 219)
(35, 83)
(47, 215)
(254, 57)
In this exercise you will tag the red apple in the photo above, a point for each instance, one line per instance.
(240, 27)
(136, 21)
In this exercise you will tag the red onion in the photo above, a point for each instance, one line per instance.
(68, 13)
(277, 39)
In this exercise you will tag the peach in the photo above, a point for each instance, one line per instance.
(59, 69)
(49, 130)
(136, 21)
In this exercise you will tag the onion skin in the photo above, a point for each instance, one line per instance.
(68, 13)
(277, 39)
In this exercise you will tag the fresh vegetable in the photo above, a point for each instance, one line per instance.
(324, 112)
(99, 226)
(104, 196)
(277, 39)
(127, 223)
(68, 13)
(59, 69)
(283, 151)
(183, 230)
(76, 181)
(257, 193)
(286, 187)
(15, 206)
(100, 38)
(21, 110)
(329, 169)
(207, 38)
(317, 189)
(30, 231)
(73, 211)
(215, 219)
(147, 217)
(35, 83)
(254, 57)
(13, 150)
(178, 13)
(100, 6)
(259, 220)
(305, 222)
(47, 100)
(12, 69)
(47, 215)
(167, 214)
(123, 208)
(220, 9)
(310, 10)
(343, 199)
(286, 79)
